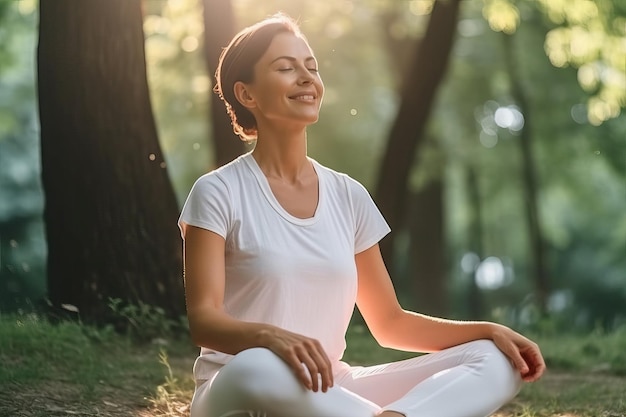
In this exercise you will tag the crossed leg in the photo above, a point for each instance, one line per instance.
(470, 380)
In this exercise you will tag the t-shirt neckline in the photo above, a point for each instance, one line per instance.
(273, 201)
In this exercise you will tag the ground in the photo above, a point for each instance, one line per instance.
(130, 399)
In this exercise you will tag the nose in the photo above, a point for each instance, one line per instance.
(305, 77)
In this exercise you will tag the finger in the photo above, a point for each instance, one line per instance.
(329, 378)
(310, 364)
(299, 369)
(537, 366)
(518, 361)
(324, 367)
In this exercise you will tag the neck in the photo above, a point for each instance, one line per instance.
(282, 154)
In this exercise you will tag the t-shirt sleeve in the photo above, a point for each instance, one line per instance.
(207, 206)
(370, 225)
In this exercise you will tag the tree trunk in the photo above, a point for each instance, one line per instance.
(424, 77)
(110, 208)
(427, 249)
(475, 307)
(529, 179)
(219, 28)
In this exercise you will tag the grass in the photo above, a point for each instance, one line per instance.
(71, 369)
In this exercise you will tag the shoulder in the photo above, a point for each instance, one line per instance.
(339, 179)
(222, 178)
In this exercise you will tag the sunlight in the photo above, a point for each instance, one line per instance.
(153, 24)
(201, 83)
(589, 76)
(421, 7)
(555, 45)
(26, 7)
(582, 45)
(189, 43)
(509, 117)
(469, 262)
(502, 16)
(580, 11)
(601, 110)
(491, 274)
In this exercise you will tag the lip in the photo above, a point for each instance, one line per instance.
(304, 96)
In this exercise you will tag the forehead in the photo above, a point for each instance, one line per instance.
(287, 44)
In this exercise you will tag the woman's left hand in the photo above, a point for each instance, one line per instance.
(523, 352)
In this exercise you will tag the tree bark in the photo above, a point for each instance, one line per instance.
(424, 77)
(110, 208)
(529, 180)
(219, 28)
(427, 249)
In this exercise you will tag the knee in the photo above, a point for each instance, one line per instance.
(251, 365)
(255, 375)
(497, 367)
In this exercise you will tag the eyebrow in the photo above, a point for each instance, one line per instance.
(292, 59)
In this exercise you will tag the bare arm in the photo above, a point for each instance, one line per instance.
(211, 327)
(396, 328)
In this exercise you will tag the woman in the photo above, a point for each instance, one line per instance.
(278, 249)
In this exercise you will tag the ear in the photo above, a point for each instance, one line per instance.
(242, 94)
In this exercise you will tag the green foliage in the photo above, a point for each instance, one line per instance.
(143, 322)
(581, 169)
(595, 352)
(33, 349)
(587, 35)
(22, 247)
(82, 368)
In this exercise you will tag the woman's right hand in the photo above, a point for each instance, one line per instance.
(305, 356)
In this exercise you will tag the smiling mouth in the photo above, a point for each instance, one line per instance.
(304, 97)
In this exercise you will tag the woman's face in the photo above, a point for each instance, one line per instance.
(287, 87)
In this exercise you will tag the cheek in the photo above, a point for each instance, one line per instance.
(319, 85)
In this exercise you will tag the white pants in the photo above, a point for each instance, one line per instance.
(470, 380)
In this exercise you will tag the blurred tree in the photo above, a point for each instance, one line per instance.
(427, 248)
(424, 255)
(109, 203)
(219, 28)
(426, 72)
(540, 273)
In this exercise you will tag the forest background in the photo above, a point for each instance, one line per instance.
(498, 157)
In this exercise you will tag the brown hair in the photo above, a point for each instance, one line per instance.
(237, 62)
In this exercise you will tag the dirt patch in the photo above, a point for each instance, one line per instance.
(64, 399)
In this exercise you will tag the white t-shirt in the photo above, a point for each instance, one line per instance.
(297, 274)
